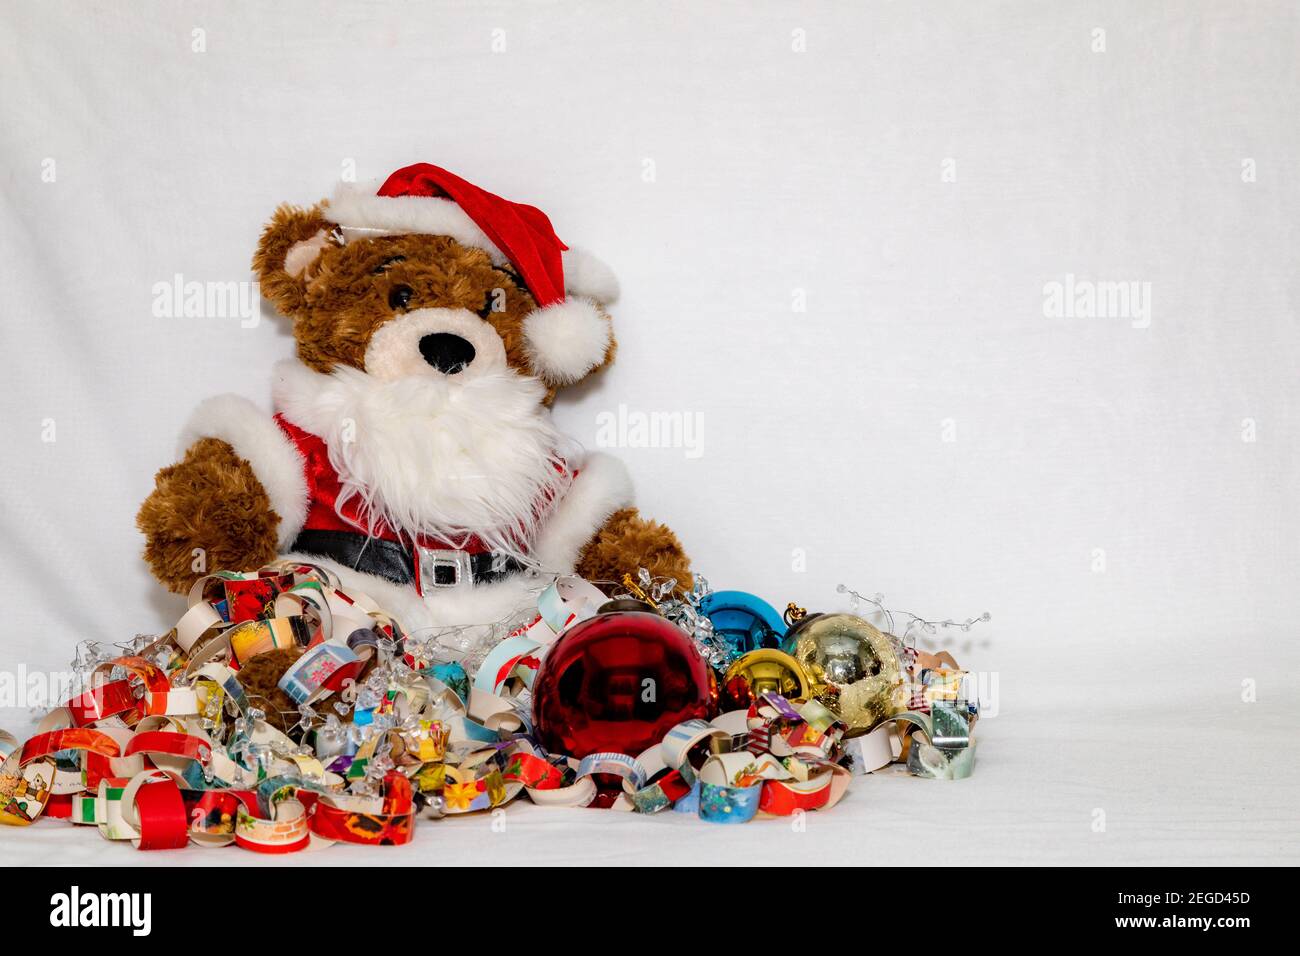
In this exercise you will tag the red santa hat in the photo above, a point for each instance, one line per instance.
(567, 335)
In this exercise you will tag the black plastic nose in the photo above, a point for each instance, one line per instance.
(447, 353)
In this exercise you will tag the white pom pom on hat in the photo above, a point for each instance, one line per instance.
(566, 340)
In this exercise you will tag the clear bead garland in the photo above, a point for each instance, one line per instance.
(915, 623)
(683, 608)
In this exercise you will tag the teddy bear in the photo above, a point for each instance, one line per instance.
(412, 450)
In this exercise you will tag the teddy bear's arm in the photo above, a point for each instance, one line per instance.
(207, 513)
(627, 542)
(598, 533)
(238, 496)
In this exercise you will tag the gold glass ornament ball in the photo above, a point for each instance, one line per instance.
(853, 667)
(759, 671)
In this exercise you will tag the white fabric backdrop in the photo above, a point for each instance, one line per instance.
(834, 226)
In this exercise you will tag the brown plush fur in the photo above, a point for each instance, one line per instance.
(289, 225)
(259, 677)
(341, 300)
(627, 542)
(210, 500)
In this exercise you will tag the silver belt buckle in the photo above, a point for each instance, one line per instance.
(433, 558)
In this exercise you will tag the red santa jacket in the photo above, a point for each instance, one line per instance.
(341, 533)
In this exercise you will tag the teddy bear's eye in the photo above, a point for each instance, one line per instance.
(399, 296)
(489, 301)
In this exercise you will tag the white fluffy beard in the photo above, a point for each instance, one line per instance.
(441, 456)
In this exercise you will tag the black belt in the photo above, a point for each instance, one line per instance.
(394, 561)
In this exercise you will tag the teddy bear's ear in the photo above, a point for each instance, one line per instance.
(289, 246)
(568, 340)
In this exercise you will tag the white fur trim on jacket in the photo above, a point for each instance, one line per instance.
(361, 213)
(602, 487)
(566, 340)
(258, 440)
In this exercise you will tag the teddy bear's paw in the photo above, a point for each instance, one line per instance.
(628, 542)
(208, 513)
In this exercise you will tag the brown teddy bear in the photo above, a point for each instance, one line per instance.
(412, 450)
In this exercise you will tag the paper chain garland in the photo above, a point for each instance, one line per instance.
(164, 748)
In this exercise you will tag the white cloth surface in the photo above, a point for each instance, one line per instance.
(1174, 790)
(859, 336)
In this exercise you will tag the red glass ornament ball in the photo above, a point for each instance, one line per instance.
(617, 683)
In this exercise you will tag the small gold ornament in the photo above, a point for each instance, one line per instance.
(763, 670)
(630, 583)
(853, 668)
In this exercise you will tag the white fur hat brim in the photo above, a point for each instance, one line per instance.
(361, 213)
